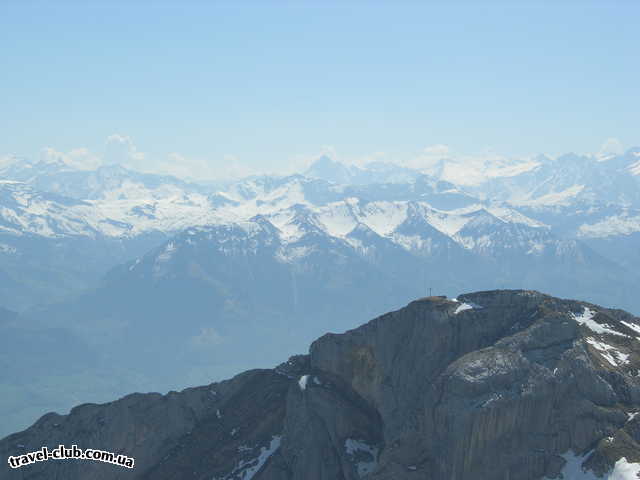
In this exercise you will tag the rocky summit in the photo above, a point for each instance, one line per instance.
(492, 385)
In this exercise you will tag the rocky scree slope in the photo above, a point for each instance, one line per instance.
(491, 385)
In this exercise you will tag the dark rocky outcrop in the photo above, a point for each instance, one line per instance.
(493, 385)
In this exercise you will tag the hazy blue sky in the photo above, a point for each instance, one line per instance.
(269, 82)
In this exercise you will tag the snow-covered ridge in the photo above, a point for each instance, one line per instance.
(562, 197)
(586, 318)
(282, 202)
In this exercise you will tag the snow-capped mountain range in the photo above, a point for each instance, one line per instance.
(535, 208)
(115, 201)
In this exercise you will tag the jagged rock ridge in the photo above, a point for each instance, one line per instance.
(492, 385)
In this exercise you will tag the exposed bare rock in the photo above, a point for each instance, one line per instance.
(492, 385)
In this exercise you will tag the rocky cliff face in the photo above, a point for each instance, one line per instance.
(492, 385)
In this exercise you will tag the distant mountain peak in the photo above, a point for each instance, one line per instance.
(328, 169)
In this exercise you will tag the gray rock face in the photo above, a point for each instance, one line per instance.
(492, 385)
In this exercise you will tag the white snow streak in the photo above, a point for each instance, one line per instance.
(609, 353)
(465, 306)
(635, 328)
(246, 469)
(586, 318)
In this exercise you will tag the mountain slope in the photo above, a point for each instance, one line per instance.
(542, 181)
(374, 172)
(53, 246)
(492, 385)
(212, 294)
(104, 182)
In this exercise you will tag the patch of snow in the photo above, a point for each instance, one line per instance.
(317, 381)
(382, 217)
(338, 218)
(302, 383)
(462, 307)
(609, 353)
(247, 469)
(635, 328)
(284, 220)
(510, 215)
(586, 318)
(563, 197)
(624, 470)
(465, 306)
(450, 223)
(623, 357)
(511, 169)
